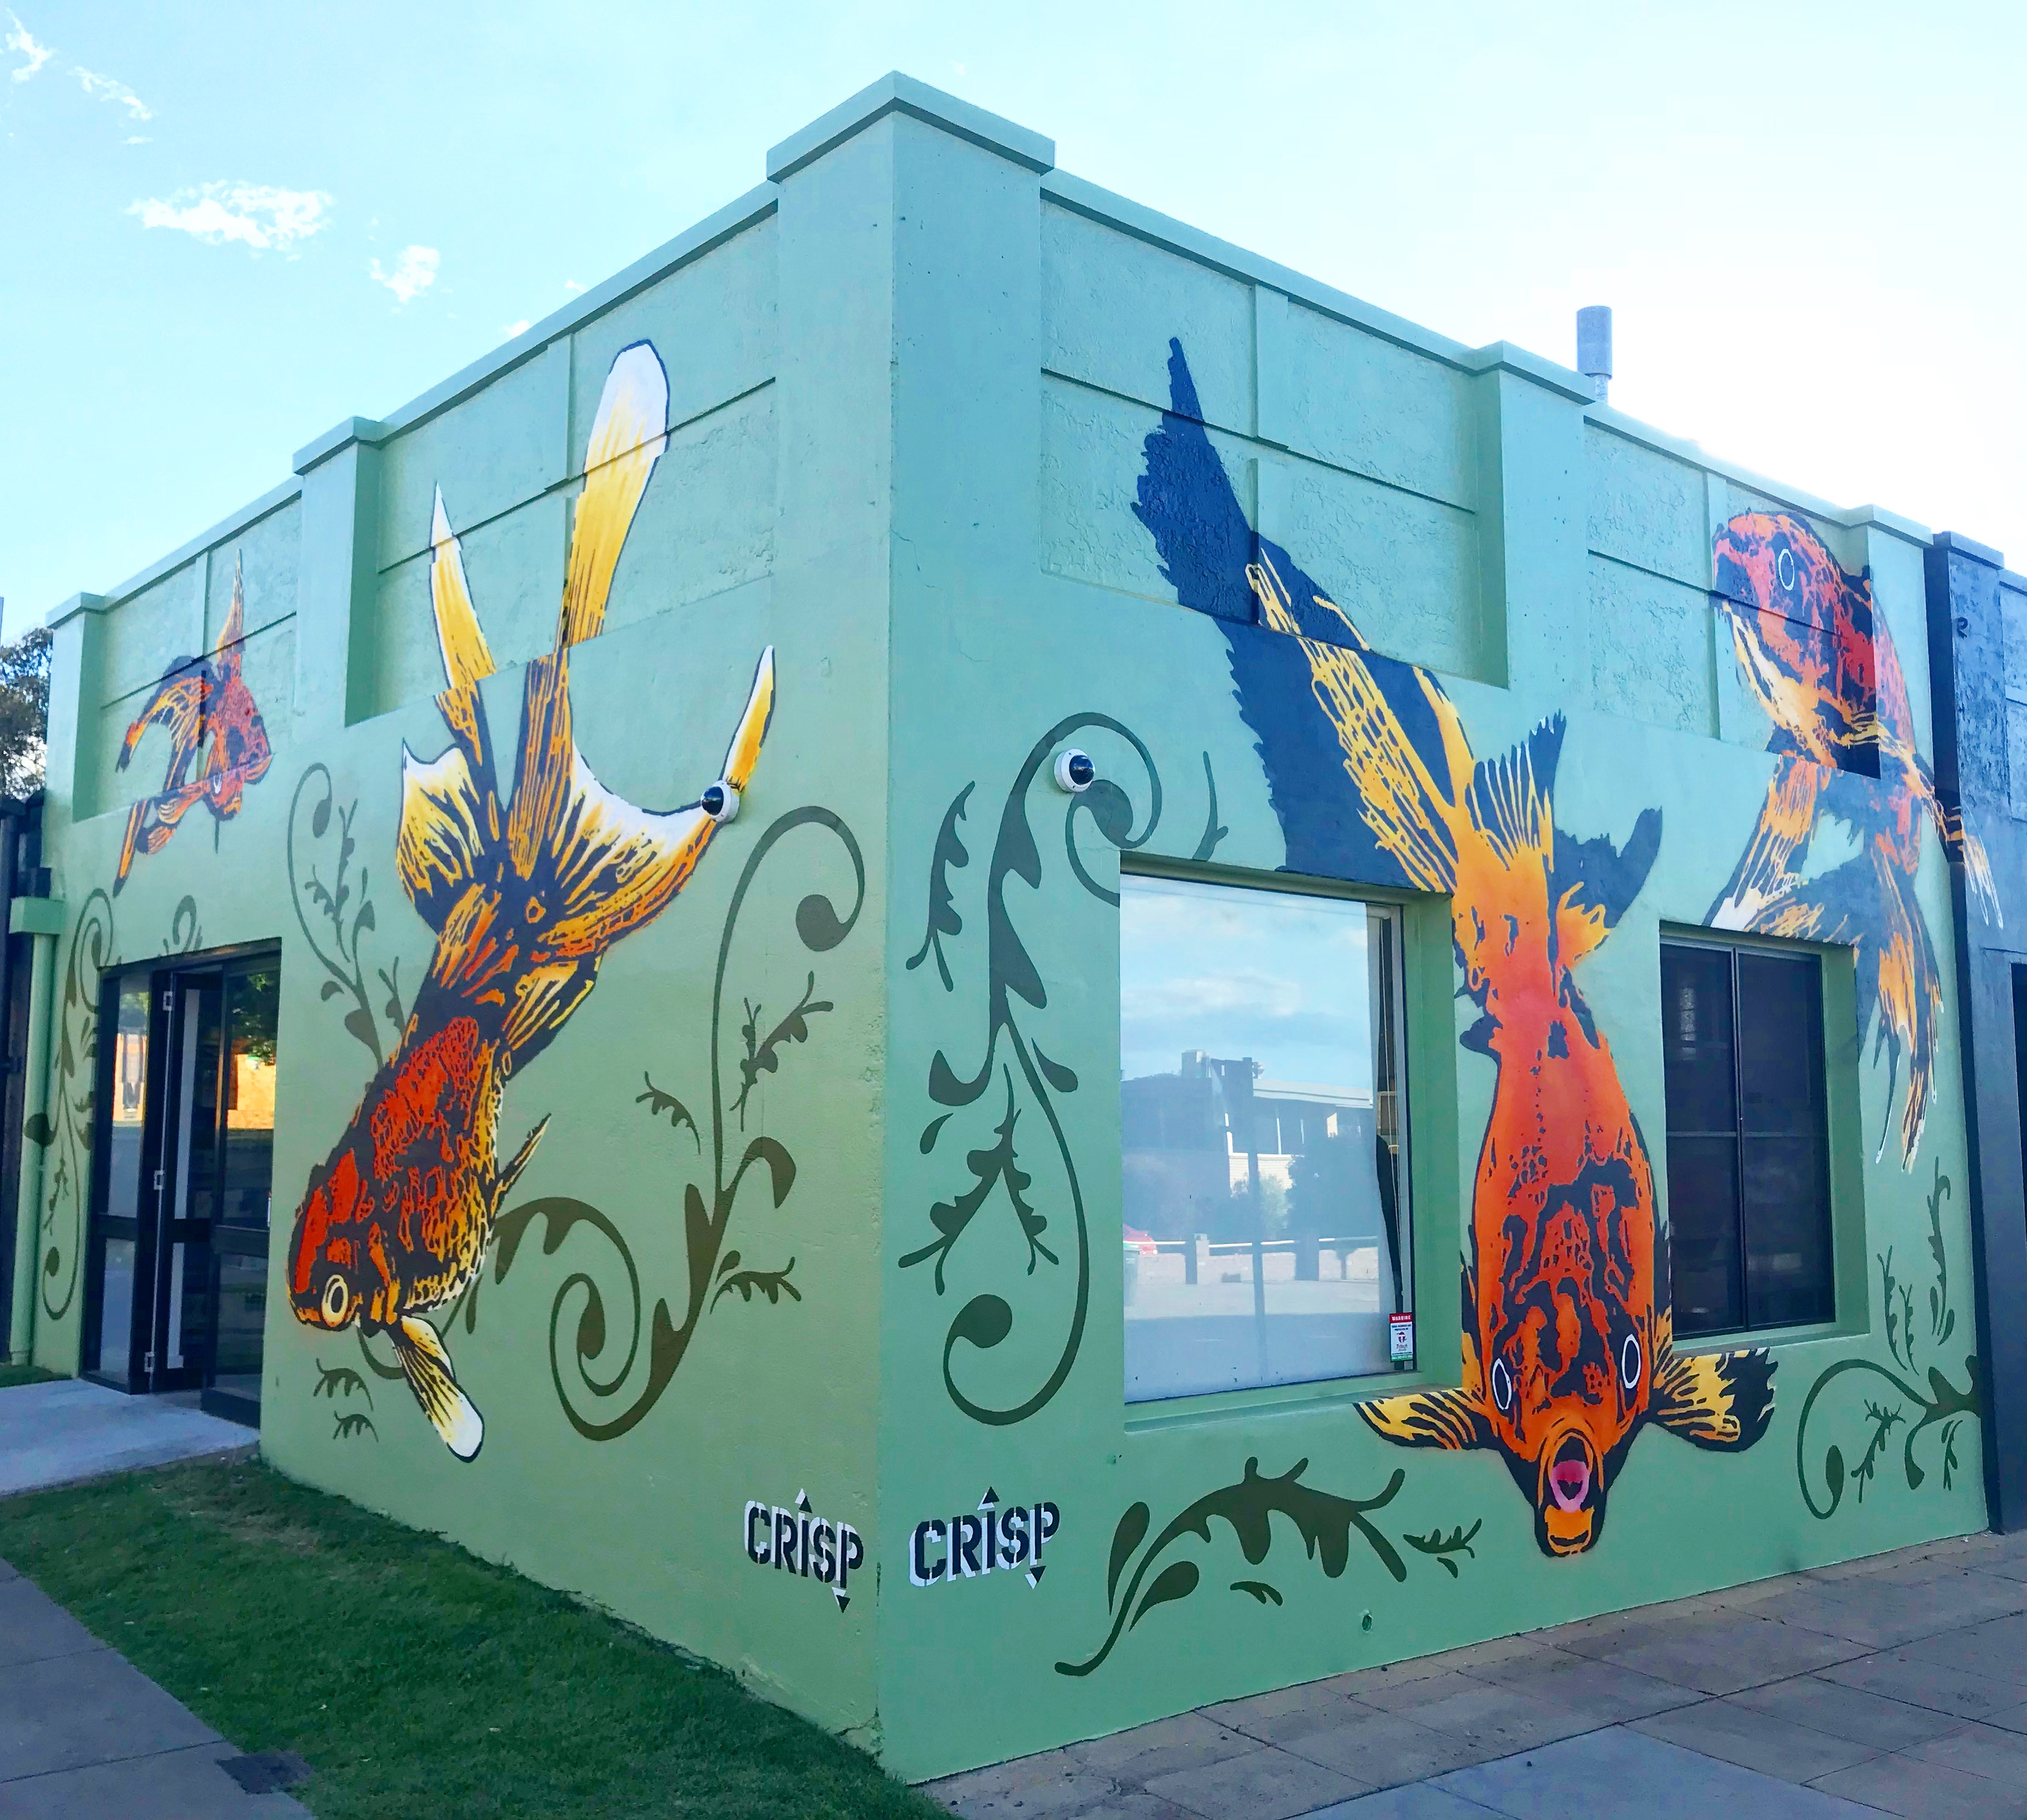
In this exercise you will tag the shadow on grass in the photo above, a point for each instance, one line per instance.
(414, 1677)
(11, 1375)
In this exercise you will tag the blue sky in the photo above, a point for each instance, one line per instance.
(222, 229)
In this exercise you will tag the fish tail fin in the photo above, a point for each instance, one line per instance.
(627, 439)
(234, 628)
(1510, 796)
(1910, 997)
(607, 867)
(1770, 866)
(1722, 1401)
(428, 1367)
(136, 820)
(1967, 850)
(1409, 811)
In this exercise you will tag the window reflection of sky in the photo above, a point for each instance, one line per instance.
(1280, 977)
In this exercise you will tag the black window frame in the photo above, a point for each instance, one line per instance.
(1740, 1317)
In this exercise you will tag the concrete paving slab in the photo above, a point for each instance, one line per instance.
(1495, 1720)
(1926, 1791)
(34, 1627)
(1756, 1741)
(92, 1707)
(1981, 1751)
(1268, 1784)
(186, 1784)
(1422, 1802)
(1382, 1750)
(1182, 1743)
(1901, 1675)
(1607, 1691)
(1738, 1682)
(1846, 1712)
(1998, 1650)
(1720, 1654)
(1048, 1787)
(1620, 1774)
(57, 1434)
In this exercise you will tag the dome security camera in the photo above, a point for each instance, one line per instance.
(720, 802)
(1075, 771)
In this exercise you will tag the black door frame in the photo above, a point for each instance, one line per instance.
(170, 979)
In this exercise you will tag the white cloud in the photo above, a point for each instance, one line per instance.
(414, 272)
(572, 285)
(138, 139)
(105, 88)
(17, 39)
(254, 214)
(509, 331)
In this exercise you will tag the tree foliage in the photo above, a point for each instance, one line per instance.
(24, 712)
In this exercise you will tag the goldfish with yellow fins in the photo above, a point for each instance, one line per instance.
(526, 895)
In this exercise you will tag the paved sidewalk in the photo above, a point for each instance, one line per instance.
(55, 1433)
(1898, 1683)
(84, 1735)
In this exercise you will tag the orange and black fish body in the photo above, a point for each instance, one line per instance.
(1568, 1346)
(526, 895)
(198, 699)
(1818, 658)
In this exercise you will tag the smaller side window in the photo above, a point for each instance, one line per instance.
(1748, 1154)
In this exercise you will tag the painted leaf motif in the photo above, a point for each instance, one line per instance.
(1176, 1580)
(1132, 1530)
(781, 1165)
(1266, 1594)
(944, 920)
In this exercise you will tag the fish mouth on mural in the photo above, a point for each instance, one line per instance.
(526, 893)
(1370, 769)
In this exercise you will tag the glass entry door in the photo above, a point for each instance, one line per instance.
(181, 1195)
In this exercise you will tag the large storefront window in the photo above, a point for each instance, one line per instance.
(187, 1139)
(1266, 1233)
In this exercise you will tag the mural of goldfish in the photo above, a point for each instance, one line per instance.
(198, 699)
(1819, 660)
(1568, 1341)
(526, 895)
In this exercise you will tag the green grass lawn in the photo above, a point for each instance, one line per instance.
(415, 1678)
(10, 1375)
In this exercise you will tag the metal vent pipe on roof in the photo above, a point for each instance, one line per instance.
(1594, 348)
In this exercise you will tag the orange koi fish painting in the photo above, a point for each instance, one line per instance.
(1567, 1335)
(1818, 658)
(526, 895)
(199, 698)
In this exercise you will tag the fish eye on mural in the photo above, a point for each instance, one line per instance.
(203, 705)
(1568, 1349)
(474, 860)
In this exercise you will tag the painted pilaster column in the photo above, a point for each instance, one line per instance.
(77, 691)
(1534, 539)
(42, 919)
(338, 578)
(1974, 717)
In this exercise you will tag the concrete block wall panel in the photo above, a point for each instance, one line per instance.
(928, 437)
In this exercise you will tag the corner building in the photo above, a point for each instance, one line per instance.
(1022, 974)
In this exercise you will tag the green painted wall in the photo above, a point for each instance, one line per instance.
(912, 382)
